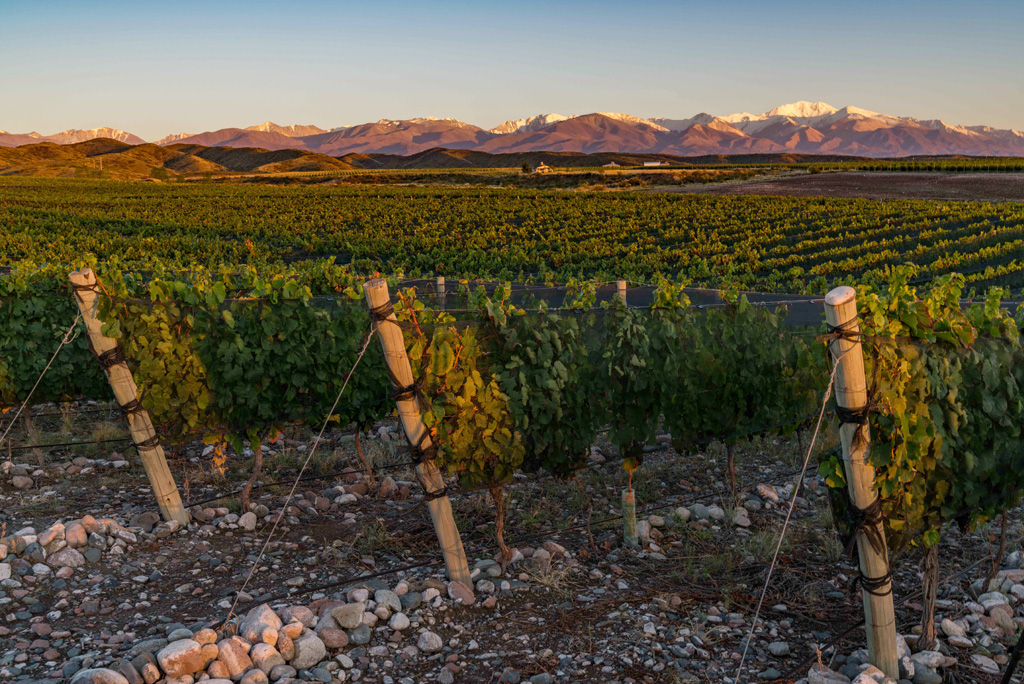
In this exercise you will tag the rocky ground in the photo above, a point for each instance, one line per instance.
(95, 588)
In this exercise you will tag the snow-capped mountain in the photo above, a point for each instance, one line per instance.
(293, 131)
(682, 124)
(173, 138)
(527, 125)
(629, 118)
(76, 136)
(802, 127)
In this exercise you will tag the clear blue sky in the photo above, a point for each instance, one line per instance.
(154, 68)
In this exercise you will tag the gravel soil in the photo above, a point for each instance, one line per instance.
(577, 607)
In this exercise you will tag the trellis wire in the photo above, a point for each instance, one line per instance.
(67, 338)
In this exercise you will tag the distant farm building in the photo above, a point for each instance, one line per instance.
(610, 165)
(543, 168)
(656, 163)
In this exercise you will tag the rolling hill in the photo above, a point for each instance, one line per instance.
(107, 158)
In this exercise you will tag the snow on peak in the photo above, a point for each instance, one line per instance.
(629, 118)
(803, 110)
(75, 135)
(527, 125)
(292, 131)
(682, 124)
(173, 138)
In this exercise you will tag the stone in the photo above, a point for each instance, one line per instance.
(960, 642)
(205, 636)
(279, 672)
(388, 598)
(360, 635)
(542, 678)
(411, 600)
(235, 656)
(67, 558)
(100, 675)
(256, 620)
(820, 674)
(254, 677)
(75, 535)
(924, 674)
(129, 672)
(333, 638)
(950, 628)
(350, 615)
(984, 663)
(309, 650)
(778, 649)
(428, 642)
(265, 657)
(399, 622)
(145, 521)
(300, 614)
(23, 482)
(286, 646)
(218, 670)
(5, 571)
(247, 521)
(458, 590)
(180, 658)
(53, 533)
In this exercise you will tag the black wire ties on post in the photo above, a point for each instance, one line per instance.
(868, 520)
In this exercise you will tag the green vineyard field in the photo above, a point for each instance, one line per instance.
(779, 244)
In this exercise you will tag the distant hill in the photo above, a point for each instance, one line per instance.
(107, 158)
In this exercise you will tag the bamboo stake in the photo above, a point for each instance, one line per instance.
(851, 392)
(165, 491)
(427, 473)
(442, 293)
(621, 293)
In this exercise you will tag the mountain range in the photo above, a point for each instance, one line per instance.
(799, 127)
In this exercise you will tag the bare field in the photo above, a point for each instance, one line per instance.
(975, 187)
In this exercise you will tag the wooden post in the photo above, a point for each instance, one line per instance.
(442, 293)
(629, 518)
(621, 283)
(393, 342)
(126, 393)
(851, 392)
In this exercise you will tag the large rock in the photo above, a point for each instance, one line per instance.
(5, 571)
(350, 615)
(428, 642)
(181, 658)
(265, 657)
(820, 674)
(67, 558)
(100, 675)
(389, 599)
(458, 590)
(75, 535)
(235, 655)
(248, 521)
(309, 650)
(300, 614)
(257, 620)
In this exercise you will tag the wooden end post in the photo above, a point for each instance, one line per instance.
(442, 293)
(851, 393)
(127, 394)
(621, 294)
(393, 343)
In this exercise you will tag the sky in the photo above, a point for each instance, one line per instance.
(158, 68)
